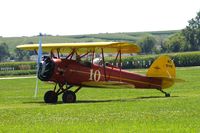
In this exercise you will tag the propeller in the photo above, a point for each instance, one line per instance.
(38, 62)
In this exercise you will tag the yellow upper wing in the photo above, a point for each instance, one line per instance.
(108, 47)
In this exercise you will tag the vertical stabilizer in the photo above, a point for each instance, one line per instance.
(163, 67)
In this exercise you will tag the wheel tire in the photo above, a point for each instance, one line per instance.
(69, 97)
(167, 95)
(50, 97)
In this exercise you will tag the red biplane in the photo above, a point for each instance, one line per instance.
(80, 68)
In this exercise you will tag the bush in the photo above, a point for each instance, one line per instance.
(186, 59)
(183, 59)
(17, 66)
(17, 72)
(144, 61)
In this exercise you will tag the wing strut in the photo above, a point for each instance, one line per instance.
(116, 57)
(120, 65)
(58, 53)
(71, 54)
(93, 55)
(104, 67)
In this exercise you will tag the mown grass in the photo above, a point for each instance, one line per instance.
(102, 110)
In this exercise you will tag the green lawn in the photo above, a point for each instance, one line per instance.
(102, 110)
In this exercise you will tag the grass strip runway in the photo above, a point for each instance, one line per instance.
(102, 110)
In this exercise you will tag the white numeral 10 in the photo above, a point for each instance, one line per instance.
(95, 75)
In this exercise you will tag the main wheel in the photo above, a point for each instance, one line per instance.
(50, 97)
(69, 97)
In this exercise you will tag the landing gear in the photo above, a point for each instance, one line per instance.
(50, 97)
(68, 95)
(166, 94)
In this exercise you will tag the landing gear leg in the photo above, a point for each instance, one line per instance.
(52, 95)
(166, 94)
(68, 95)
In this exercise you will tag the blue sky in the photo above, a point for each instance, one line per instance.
(71, 17)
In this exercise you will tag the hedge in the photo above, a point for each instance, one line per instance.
(144, 61)
(17, 72)
(7, 66)
(17, 68)
(186, 59)
(128, 62)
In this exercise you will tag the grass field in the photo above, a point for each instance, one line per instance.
(102, 110)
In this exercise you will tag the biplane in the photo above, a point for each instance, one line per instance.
(74, 64)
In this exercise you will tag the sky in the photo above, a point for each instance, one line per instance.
(75, 17)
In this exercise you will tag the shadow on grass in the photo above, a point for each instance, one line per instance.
(151, 97)
(102, 101)
(123, 100)
(42, 102)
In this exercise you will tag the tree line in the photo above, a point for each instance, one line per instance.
(18, 55)
(187, 39)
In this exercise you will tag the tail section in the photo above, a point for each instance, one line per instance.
(163, 68)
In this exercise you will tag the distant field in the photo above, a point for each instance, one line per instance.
(126, 36)
(103, 110)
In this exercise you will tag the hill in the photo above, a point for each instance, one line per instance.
(12, 42)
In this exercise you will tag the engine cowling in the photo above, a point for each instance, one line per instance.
(46, 68)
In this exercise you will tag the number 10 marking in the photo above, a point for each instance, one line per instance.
(95, 75)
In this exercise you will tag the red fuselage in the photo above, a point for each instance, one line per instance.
(77, 73)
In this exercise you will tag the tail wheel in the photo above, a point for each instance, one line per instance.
(167, 95)
(69, 97)
(50, 97)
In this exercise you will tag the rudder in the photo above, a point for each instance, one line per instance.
(163, 67)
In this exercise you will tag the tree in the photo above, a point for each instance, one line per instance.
(31, 52)
(192, 33)
(175, 43)
(147, 44)
(21, 55)
(4, 52)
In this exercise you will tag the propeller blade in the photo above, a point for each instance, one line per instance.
(38, 63)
